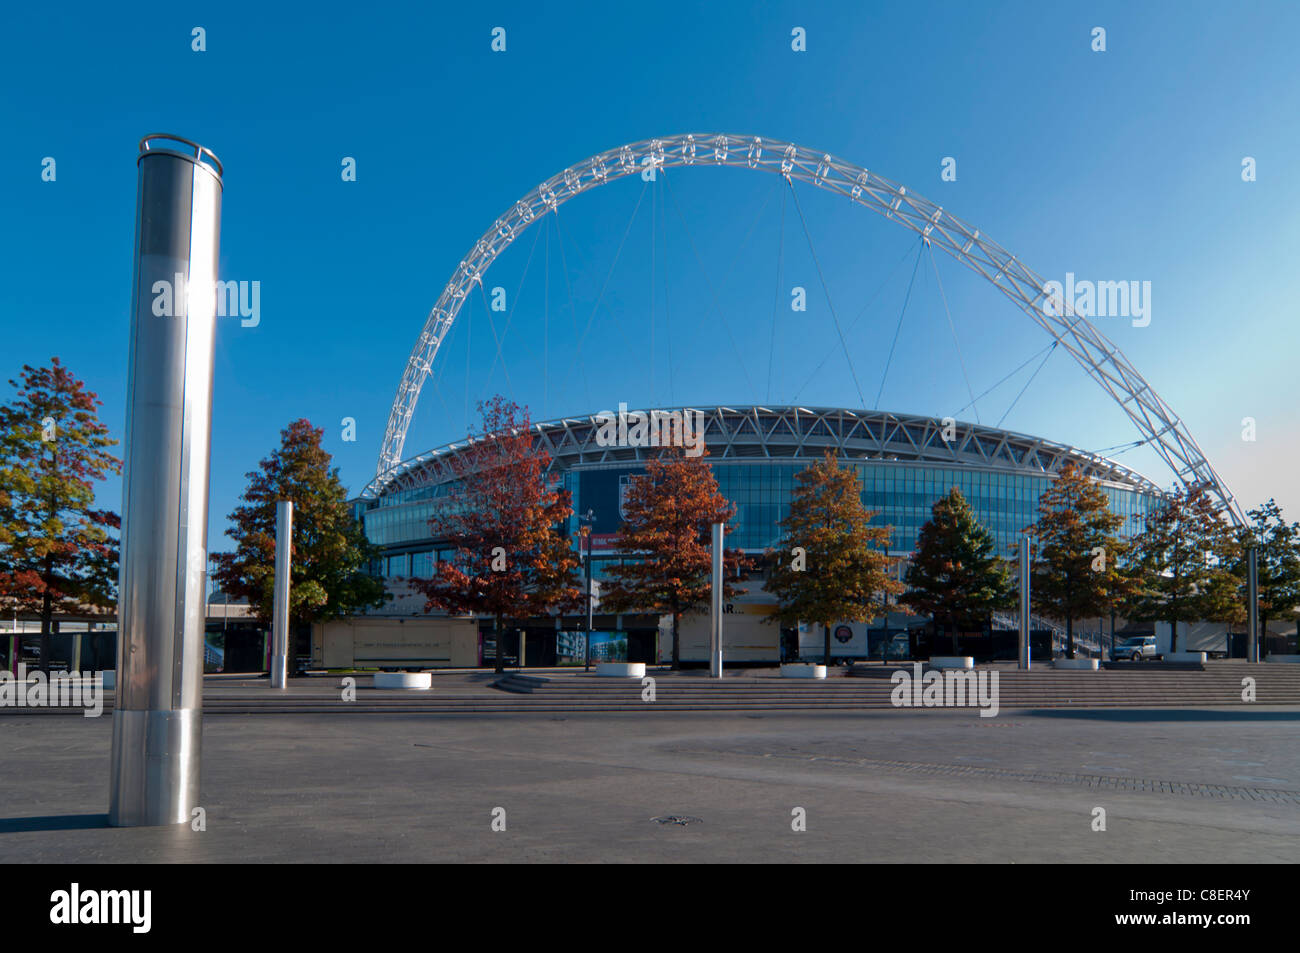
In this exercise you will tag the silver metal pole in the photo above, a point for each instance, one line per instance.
(157, 720)
(715, 619)
(280, 610)
(590, 519)
(1252, 604)
(1026, 660)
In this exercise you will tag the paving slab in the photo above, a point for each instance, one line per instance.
(883, 786)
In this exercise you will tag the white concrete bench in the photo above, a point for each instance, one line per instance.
(413, 680)
(952, 661)
(802, 670)
(620, 669)
(1076, 664)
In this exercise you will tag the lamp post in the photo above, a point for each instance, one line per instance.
(589, 518)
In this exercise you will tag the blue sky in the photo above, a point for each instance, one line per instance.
(1122, 165)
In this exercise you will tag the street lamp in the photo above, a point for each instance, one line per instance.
(589, 518)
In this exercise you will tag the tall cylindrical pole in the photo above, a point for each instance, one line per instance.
(280, 608)
(1026, 660)
(590, 608)
(884, 622)
(1252, 604)
(715, 620)
(157, 720)
(590, 518)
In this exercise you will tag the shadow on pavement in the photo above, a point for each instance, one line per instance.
(1166, 714)
(53, 822)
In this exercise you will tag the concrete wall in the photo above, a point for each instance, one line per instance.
(746, 637)
(364, 642)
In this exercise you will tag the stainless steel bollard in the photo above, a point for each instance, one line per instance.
(157, 719)
(280, 609)
(715, 601)
(1026, 650)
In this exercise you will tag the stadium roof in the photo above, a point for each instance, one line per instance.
(796, 433)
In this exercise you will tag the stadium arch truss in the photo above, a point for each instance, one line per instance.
(1097, 355)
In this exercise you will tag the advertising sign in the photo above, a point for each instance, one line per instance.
(604, 492)
(609, 647)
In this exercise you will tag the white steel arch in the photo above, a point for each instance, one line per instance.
(1154, 419)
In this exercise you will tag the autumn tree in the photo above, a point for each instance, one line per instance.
(56, 550)
(512, 558)
(1277, 563)
(1179, 563)
(1077, 571)
(666, 538)
(830, 565)
(330, 555)
(955, 575)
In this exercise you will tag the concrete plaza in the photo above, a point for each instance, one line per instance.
(876, 786)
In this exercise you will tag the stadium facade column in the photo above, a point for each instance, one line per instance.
(157, 718)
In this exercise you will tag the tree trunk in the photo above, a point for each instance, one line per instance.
(47, 617)
(501, 655)
(1173, 636)
(677, 655)
(47, 603)
(828, 645)
(1069, 638)
(955, 650)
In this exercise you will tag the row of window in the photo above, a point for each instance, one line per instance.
(902, 496)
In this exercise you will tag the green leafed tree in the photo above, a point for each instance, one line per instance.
(1077, 572)
(331, 557)
(57, 551)
(1277, 563)
(955, 575)
(1180, 564)
(665, 541)
(831, 565)
(512, 558)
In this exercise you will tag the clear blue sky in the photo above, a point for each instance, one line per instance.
(1123, 165)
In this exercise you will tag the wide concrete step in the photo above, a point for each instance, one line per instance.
(524, 693)
(1046, 689)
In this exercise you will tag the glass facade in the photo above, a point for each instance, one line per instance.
(900, 494)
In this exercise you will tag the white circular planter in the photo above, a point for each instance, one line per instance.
(1076, 664)
(1185, 657)
(414, 680)
(802, 670)
(952, 661)
(620, 669)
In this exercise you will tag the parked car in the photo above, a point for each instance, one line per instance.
(1136, 649)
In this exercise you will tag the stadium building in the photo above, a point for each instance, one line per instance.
(905, 463)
